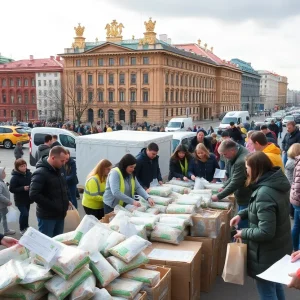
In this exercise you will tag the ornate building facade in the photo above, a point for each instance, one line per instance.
(250, 99)
(282, 91)
(142, 80)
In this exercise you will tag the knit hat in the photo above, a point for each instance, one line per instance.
(201, 130)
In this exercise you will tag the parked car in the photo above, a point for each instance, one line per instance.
(28, 130)
(269, 120)
(10, 135)
(287, 119)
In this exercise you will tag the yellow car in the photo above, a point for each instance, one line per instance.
(10, 135)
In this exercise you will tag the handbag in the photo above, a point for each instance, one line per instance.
(72, 219)
(235, 263)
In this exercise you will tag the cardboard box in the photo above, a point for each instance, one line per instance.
(209, 263)
(222, 250)
(144, 296)
(162, 291)
(185, 262)
(108, 217)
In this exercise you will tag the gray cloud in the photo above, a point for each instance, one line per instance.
(232, 11)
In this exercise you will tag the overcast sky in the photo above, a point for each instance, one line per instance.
(264, 32)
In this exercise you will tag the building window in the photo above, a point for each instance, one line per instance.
(45, 82)
(145, 78)
(172, 79)
(18, 81)
(45, 93)
(11, 82)
(3, 97)
(133, 61)
(100, 62)
(33, 114)
(167, 78)
(55, 74)
(145, 96)
(26, 98)
(100, 79)
(50, 82)
(78, 62)
(78, 79)
(90, 79)
(90, 96)
(132, 78)
(19, 98)
(111, 96)
(26, 83)
(40, 92)
(133, 96)
(122, 78)
(90, 62)
(166, 96)
(32, 82)
(122, 61)
(32, 98)
(177, 79)
(44, 74)
(146, 60)
(56, 93)
(111, 61)
(111, 79)
(12, 99)
(55, 82)
(145, 113)
(3, 82)
(79, 96)
(4, 113)
(121, 96)
(100, 96)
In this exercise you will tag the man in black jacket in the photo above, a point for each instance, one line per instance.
(48, 189)
(55, 142)
(291, 137)
(235, 134)
(147, 167)
(200, 138)
(273, 127)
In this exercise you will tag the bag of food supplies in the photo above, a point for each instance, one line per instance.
(220, 205)
(161, 200)
(85, 290)
(131, 208)
(175, 222)
(178, 189)
(186, 217)
(101, 294)
(163, 191)
(103, 271)
(69, 261)
(142, 214)
(189, 200)
(162, 209)
(121, 208)
(166, 234)
(214, 187)
(123, 267)
(148, 222)
(85, 225)
(187, 184)
(147, 277)
(16, 252)
(61, 288)
(68, 238)
(113, 239)
(141, 231)
(180, 209)
(153, 210)
(200, 183)
(130, 248)
(125, 288)
(114, 224)
(19, 292)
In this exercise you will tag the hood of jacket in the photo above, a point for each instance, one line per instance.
(271, 148)
(43, 147)
(274, 179)
(43, 163)
(143, 155)
(18, 173)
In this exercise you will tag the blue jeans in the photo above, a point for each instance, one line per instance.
(243, 223)
(51, 228)
(72, 191)
(268, 290)
(296, 228)
(222, 164)
(284, 158)
(24, 216)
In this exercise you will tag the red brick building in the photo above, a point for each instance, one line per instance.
(18, 96)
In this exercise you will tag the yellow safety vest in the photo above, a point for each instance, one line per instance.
(122, 184)
(184, 168)
(93, 193)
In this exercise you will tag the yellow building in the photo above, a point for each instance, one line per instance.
(141, 80)
(282, 91)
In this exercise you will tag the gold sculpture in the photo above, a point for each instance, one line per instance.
(79, 30)
(150, 25)
(149, 35)
(212, 49)
(133, 37)
(199, 42)
(114, 29)
(205, 46)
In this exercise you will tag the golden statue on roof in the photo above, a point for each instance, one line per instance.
(150, 25)
(114, 29)
(79, 30)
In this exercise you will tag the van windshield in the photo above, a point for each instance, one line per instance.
(175, 143)
(227, 120)
(174, 124)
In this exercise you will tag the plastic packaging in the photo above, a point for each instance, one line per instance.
(178, 189)
(68, 238)
(188, 200)
(141, 231)
(162, 200)
(200, 183)
(166, 234)
(142, 214)
(69, 261)
(18, 292)
(153, 210)
(101, 294)
(186, 217)
(121, 208)
(187, 184)
(85, 225)
(148, 222)
(163, 191)
(130, 248)
(85, 290)
(11, 273)
(103, 271)
(114, 224)
(131, 208)
(214, 187)
(16, 252)
(173, 222)
(125, 288)
(122, 267)
(114, 239)
(162, 209)
(147, 277)
(61, 288)
(180, 209)
(220, 205)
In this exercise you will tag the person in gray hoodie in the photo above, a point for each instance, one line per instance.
(18, 152)
(4, 202)
(44, 149)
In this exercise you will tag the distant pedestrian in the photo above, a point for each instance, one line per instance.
(279, 124)
(18, 152)
(291, 137)
(55, 142)
(44, 149)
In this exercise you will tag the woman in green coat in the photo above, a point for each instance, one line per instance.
(269, 234)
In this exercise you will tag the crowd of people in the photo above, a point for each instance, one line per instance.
(264, 179)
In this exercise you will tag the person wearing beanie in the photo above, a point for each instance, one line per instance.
(200, 138)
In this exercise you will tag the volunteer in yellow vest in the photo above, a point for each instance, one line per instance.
(92, 200)
(260, 143)
(122, 185)
(179, 163)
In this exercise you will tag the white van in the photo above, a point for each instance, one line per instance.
(65, 137)
(182, 138)
(237, 117)
(179, 124)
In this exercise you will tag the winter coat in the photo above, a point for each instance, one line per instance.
(71, 172)
(147, 169)
(48, 189)
(18, 152)
(4, 193)
(17, 182)
(249, 145)
(56, 143)
(289, 169)
(274, 154)
(43, 150)
(279, 124)
(290, 139)
(203, 169)
(295, 189)
(194, 143)
(237, 177)
(269, 233)
(235, 134)
(274, 128)
(271, 138)
(175, 168)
